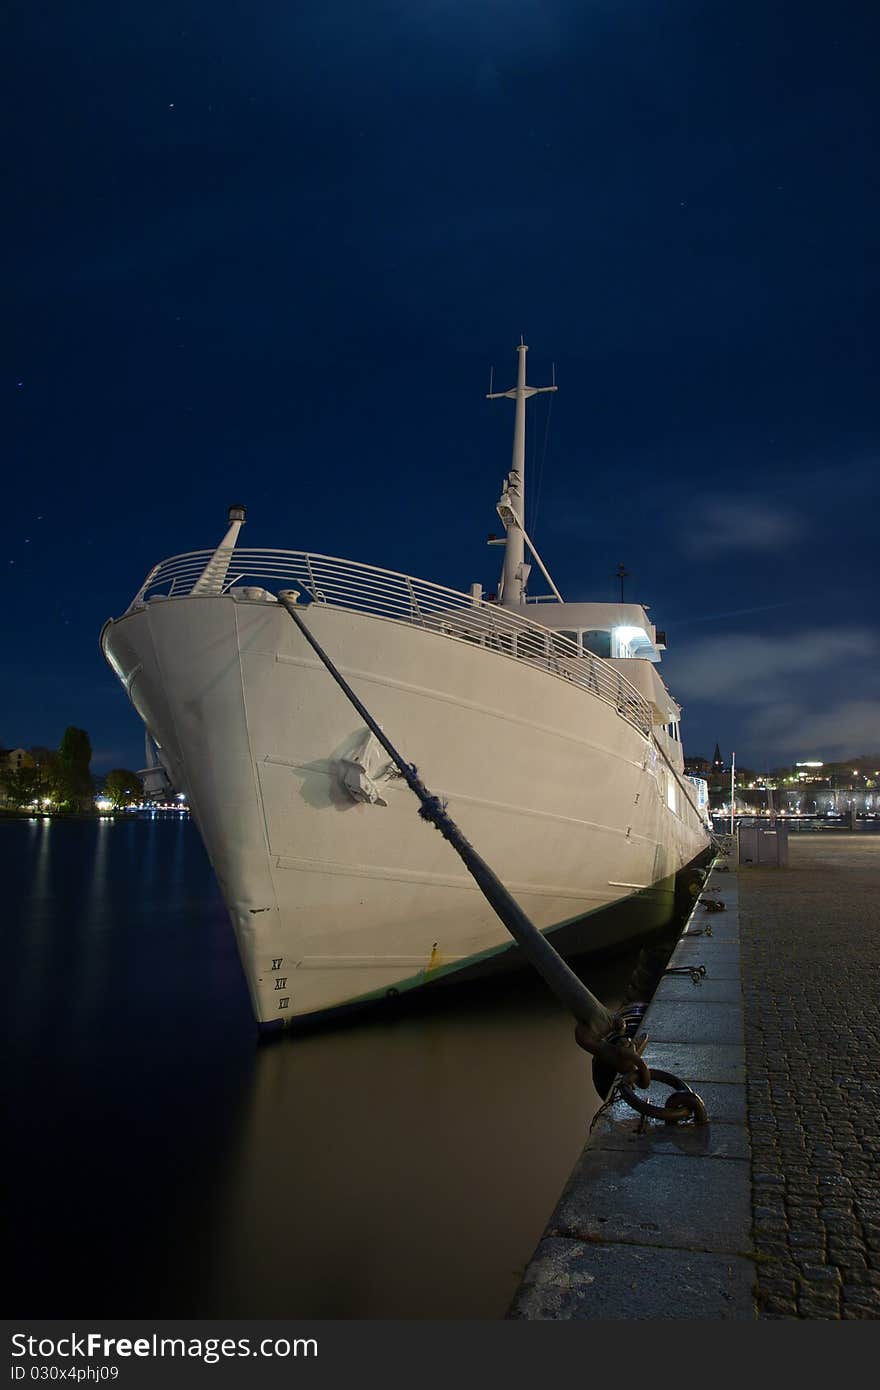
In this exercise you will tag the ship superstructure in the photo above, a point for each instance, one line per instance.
(545, 725)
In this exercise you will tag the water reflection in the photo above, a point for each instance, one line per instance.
(407, 1168)
(402, 1166)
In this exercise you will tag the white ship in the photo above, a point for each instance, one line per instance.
(545, 725)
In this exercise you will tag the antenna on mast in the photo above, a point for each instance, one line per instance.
(622, 574)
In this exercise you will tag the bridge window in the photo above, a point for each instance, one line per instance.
(569, 644)
(596, 641)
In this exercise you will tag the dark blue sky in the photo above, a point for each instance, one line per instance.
(268, 252)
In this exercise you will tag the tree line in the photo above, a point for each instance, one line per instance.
(61, 777)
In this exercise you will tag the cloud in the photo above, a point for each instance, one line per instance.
(846, 728)
(748, 669)
(720, 525)
(731, 613)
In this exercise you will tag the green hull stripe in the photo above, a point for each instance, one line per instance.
(658, 891)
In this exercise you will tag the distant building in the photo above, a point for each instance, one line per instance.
(810, 772)
(697, 767)
(17, 759)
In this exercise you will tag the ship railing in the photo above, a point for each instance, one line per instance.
(349, 585)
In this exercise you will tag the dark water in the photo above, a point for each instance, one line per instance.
(164, 1165)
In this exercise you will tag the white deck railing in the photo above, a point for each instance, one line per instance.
(403, 599)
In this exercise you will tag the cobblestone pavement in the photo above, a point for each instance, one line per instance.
(811, 984)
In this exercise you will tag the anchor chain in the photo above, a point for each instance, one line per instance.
(622, 1053)
(683, 1104)
(619, 1053)
(696, 972)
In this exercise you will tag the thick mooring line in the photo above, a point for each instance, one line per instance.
(595, 1021)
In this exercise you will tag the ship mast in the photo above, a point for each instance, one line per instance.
(511, 507)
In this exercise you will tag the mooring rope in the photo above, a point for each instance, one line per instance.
(595, 1023)
(597, 1030)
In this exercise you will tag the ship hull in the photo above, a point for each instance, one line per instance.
(335, 900)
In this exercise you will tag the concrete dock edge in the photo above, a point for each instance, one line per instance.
(655, 1221)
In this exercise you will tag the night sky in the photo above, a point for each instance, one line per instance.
(268, 252)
